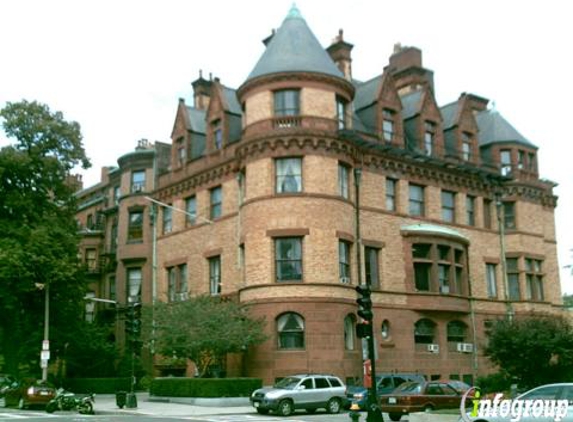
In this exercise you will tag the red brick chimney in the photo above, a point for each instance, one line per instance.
(339, 51)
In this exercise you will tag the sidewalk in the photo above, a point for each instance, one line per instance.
(174, 406)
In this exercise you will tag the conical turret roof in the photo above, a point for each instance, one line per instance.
(294, 48)
(494, 128)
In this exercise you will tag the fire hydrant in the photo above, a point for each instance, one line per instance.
(354, 412)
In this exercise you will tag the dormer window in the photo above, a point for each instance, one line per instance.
(287, 102)
(466, 146)
(388, 128)
(505, 161)
(429, 138)
(180, 151)
(217, 133)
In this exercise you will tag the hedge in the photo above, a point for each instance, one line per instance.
(204, 387)
(97, 385)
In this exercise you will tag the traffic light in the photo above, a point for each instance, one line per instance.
(363, 330)
(364, 303)
(133, 326)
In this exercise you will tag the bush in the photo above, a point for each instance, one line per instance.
(494, 383)
(204, 387)
(97, 385)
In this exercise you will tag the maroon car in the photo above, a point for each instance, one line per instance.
(418, 397)
(29, 392)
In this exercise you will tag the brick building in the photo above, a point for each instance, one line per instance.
(290, 180)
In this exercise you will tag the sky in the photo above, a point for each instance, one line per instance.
(119, 67)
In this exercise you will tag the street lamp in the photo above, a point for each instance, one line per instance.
(45, 352)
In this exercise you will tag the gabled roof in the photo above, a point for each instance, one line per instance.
(449, 113)
(366, 92)
(411, 104)
(230, 96)
(494, 128)
(294, 48)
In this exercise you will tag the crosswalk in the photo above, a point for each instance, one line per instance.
(25, 415)
(238, 418)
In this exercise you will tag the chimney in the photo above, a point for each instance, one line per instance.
(339, 52)
(475, 102)
(406, 67)
(201, 92)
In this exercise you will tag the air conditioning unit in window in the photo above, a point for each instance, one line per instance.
(465, 347)
(137, 188)
(434, 348)
(445, 290)
(345, 280)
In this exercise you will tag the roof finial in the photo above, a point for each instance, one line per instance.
(294, 12)
(493, 107)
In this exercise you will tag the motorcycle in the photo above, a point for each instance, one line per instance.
(66, 400)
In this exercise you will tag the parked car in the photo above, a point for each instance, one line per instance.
(547, 392)
(385, 383)
(418, 397)
(29, 392)
(460, 386)
(5, 382)
(305, 391)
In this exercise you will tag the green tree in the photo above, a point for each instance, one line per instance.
(38, 233)
(568, 300)
(203, 329)
(532, 350)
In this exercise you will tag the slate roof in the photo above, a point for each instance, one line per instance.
(411, 104)
(231, 97)
(494, 128)
(196, 120)
(449, 113)
(366, 92)
(294, 48)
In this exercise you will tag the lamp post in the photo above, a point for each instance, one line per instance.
(45, 353)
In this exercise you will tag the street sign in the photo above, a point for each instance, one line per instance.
(46, 345)
(43, 364)
(45, 355)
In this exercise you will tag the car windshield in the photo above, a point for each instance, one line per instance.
(409, 388)
(288, 383)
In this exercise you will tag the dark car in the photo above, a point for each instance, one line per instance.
(385, 383)
(418, 397)
(29, 392)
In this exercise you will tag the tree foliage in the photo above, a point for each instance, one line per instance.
(38, 233)
(532, 350)
(203, 329)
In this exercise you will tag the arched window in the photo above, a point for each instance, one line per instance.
(290, 329)
(456, 332)
(349, 330)
(424, 331)
(385, 330)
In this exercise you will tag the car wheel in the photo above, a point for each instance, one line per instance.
(310, 411)
(285, 408)
(21, 403)
(333, 406)
(395, 416)
(263, 411)
(428, 408)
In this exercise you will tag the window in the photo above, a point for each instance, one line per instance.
(288, 258)
(341, 112)
(90, 307)
(466, 146)
(290, 329)
(491, 280)
(113, 236)
(167, 220)
(242, 182)
(116, 195)
(513, 278)
(215, 275)
(112, 287)
(534, 279)
(385, 330)
(371, 267)
(505, 160)
(134, 279)
(520, 159)
(90, 222)
(388, 125)
(424, 331)
(509, 215)
(429, 138)
(91, 260)
(216, 197)
(344, 261)
(343, 180)
(177, 283)
(487, 213)
(287, 102)
(456, 331)
(531, 161)
(138, 181)
(391, 194)
(135, 227)
(191, 210)
(349, 330)
(217, 133)
(448, 206)
(416, 200)
(439, 267)
(288, 175)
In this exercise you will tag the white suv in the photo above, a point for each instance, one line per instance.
(307, 391)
